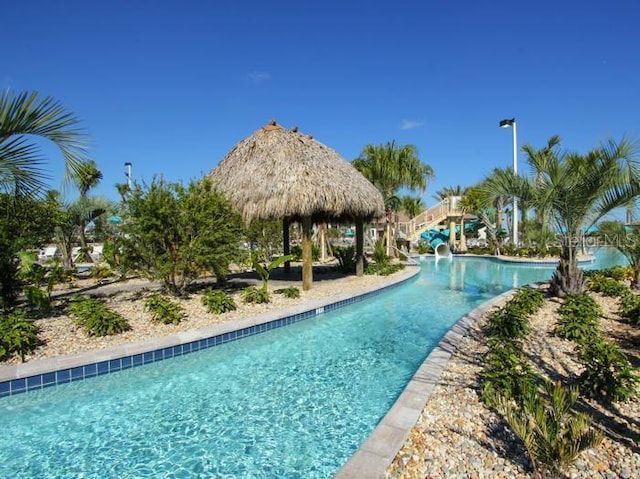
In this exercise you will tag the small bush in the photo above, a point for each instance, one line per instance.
(296, 251)
(424, 248)
(527, 300)
(379, 253)
(37, 299)
(255, 295)
(101, 271)
(579, 319)
(96, 318)
(291, 292)
(506, 373)
(217, 301)
(630, 307)
(346, 256)
(508, 323)
(163, 310)
(552, 434)
(18, 335)
(607, 286)
(608, 375)
(384, 269)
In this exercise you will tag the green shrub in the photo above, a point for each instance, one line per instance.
(255, 295)
(607, 286)
(424, 248)
(506, 373)
(630, 307)
(346, 256)
(380, 253)
(291, 292)
(96, 318)
(619, 273)
(101, 271)
(552, 434)
(217, 301)
(608, 374)
(38, 299)
(384, 269)
(508, 323)
(18, 335)
(527, 300)
(296, 251)
(579, 319)
(163, 310)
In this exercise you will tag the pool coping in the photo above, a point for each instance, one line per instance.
(39, 374)
(378, 451)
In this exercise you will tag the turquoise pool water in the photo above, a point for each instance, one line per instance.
(293, 402)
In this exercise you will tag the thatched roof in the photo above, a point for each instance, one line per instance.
(280, 173)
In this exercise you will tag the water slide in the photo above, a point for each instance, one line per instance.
(438, 241)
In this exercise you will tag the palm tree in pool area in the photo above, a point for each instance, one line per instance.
(86, 178)
(391, 167)
(576, 190)
(27, 115)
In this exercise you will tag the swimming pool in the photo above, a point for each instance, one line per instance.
(292, 402)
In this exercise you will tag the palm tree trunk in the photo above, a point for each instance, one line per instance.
(568, 277)
(83, 244)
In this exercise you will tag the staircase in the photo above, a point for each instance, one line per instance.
(431, 217)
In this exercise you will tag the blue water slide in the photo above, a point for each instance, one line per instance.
(435, 237)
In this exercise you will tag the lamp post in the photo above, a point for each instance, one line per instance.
(127, 173)
(507, 124)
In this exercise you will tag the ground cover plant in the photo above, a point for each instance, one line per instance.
(95, 318)
(164, 310)
(18, 335)
(218, 301)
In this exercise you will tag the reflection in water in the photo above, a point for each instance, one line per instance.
(487, 276)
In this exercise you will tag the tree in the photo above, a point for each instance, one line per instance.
(26, 223)
(391, 167)
(576, 190)
(175, 233)
(448, 191)
(265, 238)
(614, 233)
(412, 205)
(23, 116)
(476, 203)
(86, 177)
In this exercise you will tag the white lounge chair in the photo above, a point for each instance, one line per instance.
(48, 253)
(96, 254)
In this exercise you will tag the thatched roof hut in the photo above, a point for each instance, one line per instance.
(282, 173)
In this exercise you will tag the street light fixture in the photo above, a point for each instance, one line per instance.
(506, 124)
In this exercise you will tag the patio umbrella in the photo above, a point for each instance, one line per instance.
(281, 173)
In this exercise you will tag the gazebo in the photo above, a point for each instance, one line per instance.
(280, 173)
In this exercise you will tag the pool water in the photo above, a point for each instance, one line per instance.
(293, 402)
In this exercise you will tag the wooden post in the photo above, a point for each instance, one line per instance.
(359, 247)
(307, 260)
(452, 232)
(286, 246)
(323, 241)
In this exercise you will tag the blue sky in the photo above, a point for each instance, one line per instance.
(171, 86)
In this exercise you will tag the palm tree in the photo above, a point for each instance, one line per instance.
(391, 167)
(626, 242)
(412, 205)
(86, 178)
(447, 191)
(575, 191)
(23, 116)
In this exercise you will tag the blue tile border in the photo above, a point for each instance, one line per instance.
(78, 373)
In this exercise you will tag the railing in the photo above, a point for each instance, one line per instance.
(431, 217)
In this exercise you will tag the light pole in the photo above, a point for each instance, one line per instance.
(507, 124)
(127, 173)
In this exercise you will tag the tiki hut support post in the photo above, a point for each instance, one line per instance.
(286, 246)
(323, 241)
(307, 260)
(359, 246)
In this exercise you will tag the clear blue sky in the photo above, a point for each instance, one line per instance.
(171, 86)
